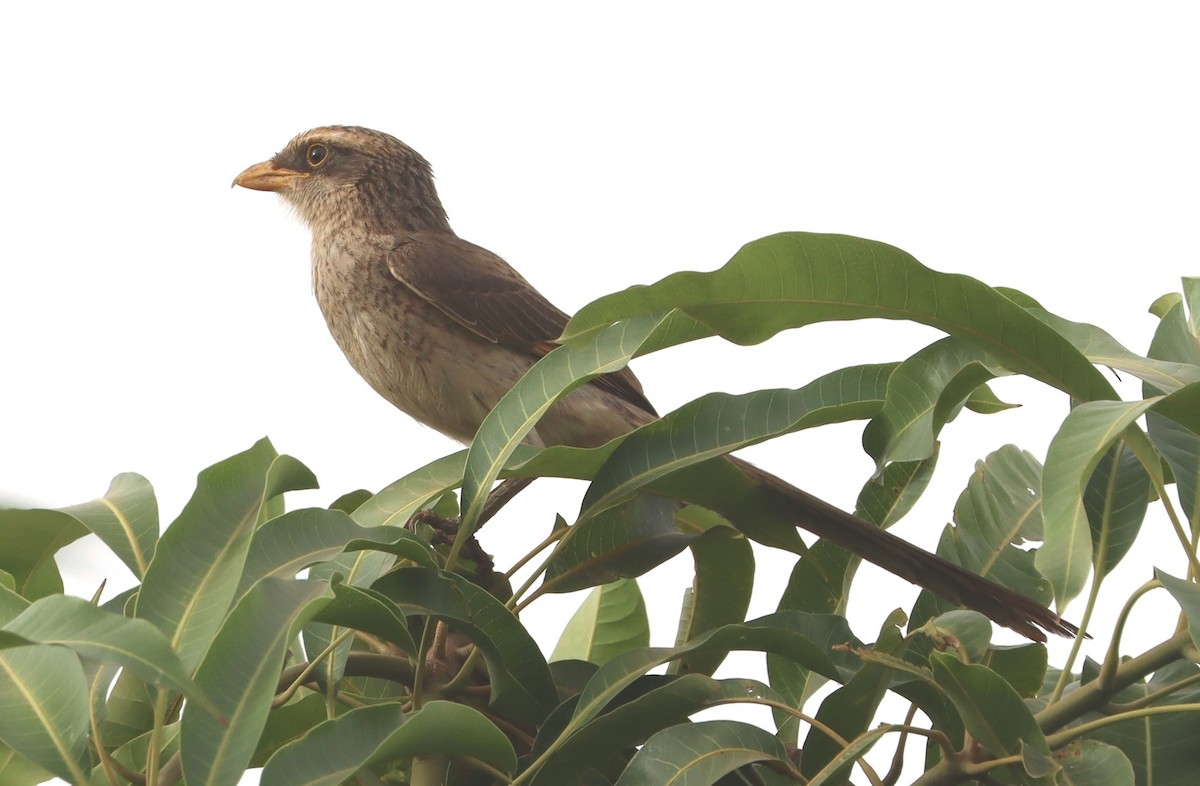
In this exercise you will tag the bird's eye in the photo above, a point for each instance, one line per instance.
(316, 155)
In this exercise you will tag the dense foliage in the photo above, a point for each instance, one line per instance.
(400, 657)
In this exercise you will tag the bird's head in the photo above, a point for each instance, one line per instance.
(336, 175)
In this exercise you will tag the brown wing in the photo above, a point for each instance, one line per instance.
(482, 292)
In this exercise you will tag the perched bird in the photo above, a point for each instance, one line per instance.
(443, 328)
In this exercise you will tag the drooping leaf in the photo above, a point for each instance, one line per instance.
(794, 279)
(622, 542)
(1187, 595)
(780, 633)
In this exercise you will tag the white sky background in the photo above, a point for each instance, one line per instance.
(153, 320)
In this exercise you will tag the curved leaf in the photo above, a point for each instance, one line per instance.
(990, 709)
(923, 394)
(365, 609)
(125, 519)
(194, 574)
(721, 588)
(998, 512)
(1115, 500)
(101, 636)
(1092, 763)
(1104, 350)
(240, 673)
(849, 710)
(663, 702)
(1087, 433)
(795, 278)
(610, 621)
(43, 708)
(720, 423)
(551, 378)
(521, 682)
(29, 540)
(332, 752)
(779, 633)
(698, 754)
(289, 543)
(621, 542)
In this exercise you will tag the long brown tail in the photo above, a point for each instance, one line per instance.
(941, 577)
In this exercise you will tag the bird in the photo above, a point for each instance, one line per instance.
(443, 328)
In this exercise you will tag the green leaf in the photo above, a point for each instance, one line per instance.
(1087, 433)
(990, 709)
(194, 574)
(797, 683)
(651, 704)
(1022, 666)
(720, 423)
(1187, 595)
(779, 633)
(1162, 748)
(551, 378)
(621, 542)
(98, 635)
(335, 750)
(288, 723)
(610, 621)
(1180, 447)
(43, 708)
(286, 545)
(820, 580)
(520, 679)
(1104, 350)
(924, 393)
(239, 674)
(698, 754)
(125, 519)
(365, 609)
(971, 630)
(16, 770)
(998, 511)
(850, 709)
(796, 278)
(721, 588)
(1115, 500)
(1091, 763)
(29, 540)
